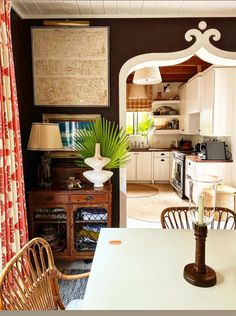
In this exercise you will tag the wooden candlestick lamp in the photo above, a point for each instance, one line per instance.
(198, 273)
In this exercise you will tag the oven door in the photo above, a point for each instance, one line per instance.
(177, 176)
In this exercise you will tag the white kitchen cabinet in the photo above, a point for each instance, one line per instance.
(218, 97)
(131, 167)
(193, 104)
(190, 108)
(161, 166)
(144, 166)
(196, 169)
(139, 167)
(170, 165)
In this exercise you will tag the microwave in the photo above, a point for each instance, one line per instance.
(213, 150)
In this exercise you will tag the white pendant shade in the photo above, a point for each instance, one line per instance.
(149, 75)
(137, 92)
(45, 137)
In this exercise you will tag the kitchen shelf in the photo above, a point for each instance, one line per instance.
(166, 102)
(167, 131)
(166, 116)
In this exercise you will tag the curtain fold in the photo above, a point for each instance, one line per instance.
(13, 222)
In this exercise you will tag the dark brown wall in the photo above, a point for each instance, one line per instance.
(128, 38)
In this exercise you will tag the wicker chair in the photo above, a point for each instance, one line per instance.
(30, 279)
(179, 218)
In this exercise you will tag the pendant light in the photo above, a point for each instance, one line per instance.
(148, 75)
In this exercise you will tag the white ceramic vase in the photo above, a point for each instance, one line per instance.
(97, 176)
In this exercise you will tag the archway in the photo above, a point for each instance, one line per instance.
(203, 48)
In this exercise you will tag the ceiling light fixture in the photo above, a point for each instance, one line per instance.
(148, 75)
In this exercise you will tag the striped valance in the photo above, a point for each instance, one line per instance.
(141, 105)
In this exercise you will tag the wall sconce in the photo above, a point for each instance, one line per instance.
(45, 137)
(149, 75)
(167, 88)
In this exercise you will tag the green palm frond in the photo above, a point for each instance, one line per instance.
(114, 143)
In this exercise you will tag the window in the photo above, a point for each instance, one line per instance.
(138, 123)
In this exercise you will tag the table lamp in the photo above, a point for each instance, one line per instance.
(45, 137)
(202, 207)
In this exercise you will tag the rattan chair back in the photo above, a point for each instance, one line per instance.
(30, 279)
(180, 218)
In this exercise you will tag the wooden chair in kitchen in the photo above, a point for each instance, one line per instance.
(180, 218)
(30, 279)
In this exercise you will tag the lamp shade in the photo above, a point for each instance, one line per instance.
(148, 75)
(137, 91)
(45, 137)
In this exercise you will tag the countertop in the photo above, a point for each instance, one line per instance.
(149, 149)
(160, 149)
(192, 157)
(197, 159)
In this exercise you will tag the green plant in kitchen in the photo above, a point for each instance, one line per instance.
(113, 141)
(129, 129)
(146, 124)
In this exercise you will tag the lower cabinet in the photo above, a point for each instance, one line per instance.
(140, 167)
(149, 166)
(161, 166)
(194, 169)
(70, 220)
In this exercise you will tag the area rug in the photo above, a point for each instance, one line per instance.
(149, 208)
(140, 190)
(72, 289)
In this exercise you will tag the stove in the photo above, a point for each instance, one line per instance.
(178, 172)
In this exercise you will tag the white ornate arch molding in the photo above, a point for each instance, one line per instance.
(202, 47)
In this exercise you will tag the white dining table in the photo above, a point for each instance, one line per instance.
(142, 269)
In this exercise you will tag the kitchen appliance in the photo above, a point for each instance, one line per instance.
(213, 150)
(197, 148)
(178, 172)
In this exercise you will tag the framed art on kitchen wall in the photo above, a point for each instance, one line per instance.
(70, 66)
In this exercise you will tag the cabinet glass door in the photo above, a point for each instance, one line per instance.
(50, 224)
(88, 221)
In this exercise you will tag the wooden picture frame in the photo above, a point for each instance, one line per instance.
(70, 66)
(68, 124)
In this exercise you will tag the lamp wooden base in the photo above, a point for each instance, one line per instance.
(206, 279)
(198, 273)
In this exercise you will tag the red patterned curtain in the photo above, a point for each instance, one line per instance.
(13, 223)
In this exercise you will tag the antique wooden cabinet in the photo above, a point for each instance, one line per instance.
(70, 220)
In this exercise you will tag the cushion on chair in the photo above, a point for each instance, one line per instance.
(75, 305)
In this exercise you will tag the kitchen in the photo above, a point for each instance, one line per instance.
(189, 109)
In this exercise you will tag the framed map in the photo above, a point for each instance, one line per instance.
(70, 66)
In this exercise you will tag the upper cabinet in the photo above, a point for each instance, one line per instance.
(207, 102)
(193, 104)
(218, 96)
(190, 107)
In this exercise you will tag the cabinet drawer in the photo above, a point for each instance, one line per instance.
(89, 198)
(49, 198)
(160, 154)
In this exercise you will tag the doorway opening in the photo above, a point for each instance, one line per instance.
(204, 49)
(154, 126)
